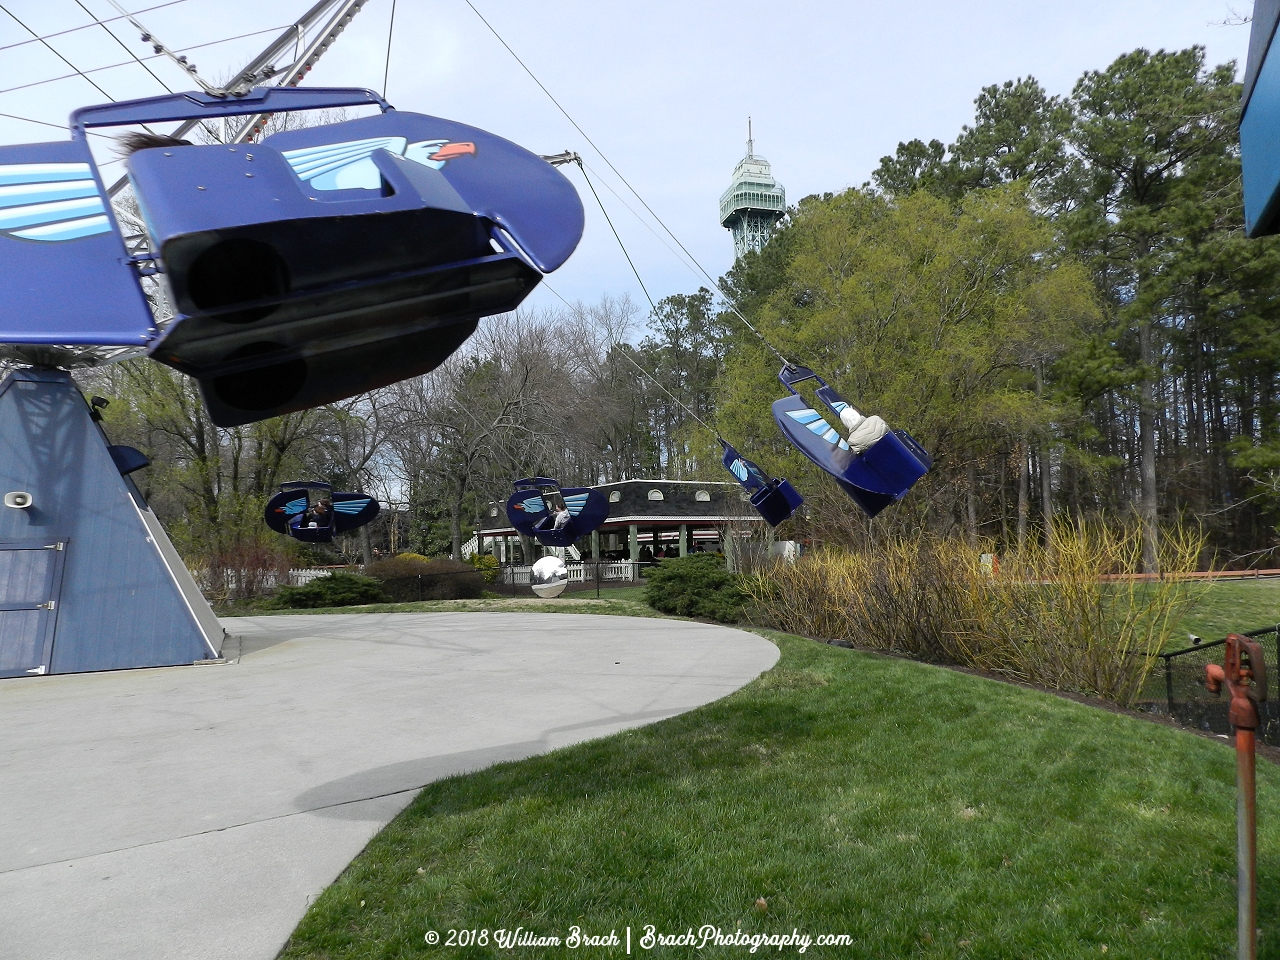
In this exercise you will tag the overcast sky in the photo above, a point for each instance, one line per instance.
(664, 88)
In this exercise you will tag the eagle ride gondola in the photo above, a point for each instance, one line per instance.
(318, 264)
(773, 497)
(881, 474)
(309, 510)
(555, 517)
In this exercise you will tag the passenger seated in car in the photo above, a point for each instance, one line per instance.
(561, 516)
(863, 431)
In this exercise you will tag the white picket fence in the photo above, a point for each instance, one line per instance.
(235, 583)
(299, 578)
(616, 570)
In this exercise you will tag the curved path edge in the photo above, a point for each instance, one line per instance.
(196, 811)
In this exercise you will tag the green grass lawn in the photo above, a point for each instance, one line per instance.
(924, 812)
(1231, 606)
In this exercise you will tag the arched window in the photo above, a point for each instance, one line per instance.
(615, 496)
(656, 495)
(493, 511)
(702, 496)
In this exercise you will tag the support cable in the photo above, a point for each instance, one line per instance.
(607, 219)
(346, 11)
(643, 222)
(262, 67)
(87, 26)
(125, 63)
(159, 47)
(78, 71)
(56, 126)
(652, 306)
(386, 69)
(729, 300)
(124, 46)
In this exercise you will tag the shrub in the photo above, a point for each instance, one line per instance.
(404, 565)
(695, 586)
(336, 589)
(487, 564)
(242, 568)
(406, 580)
(1051, 617)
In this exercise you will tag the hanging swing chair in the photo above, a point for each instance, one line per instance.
(880, 475)
(537, 504)
(309, 510)
(775, 499)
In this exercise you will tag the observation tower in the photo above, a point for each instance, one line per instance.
(754, 202)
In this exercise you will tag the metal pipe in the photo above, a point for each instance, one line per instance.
(252, 72)
(1246, 847)
(1244, 674)
(293, 76)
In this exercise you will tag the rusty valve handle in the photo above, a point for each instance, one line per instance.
(1244, 671)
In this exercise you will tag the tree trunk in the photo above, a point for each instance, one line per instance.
(1024, 494)
(455, 530)
(971, 503)
(366, 549)
(1046, 473)
(1046, 496)
(1147, 457)
(1004, 505)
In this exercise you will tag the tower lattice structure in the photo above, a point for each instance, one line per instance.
(754, 202)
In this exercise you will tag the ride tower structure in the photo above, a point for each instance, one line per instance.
(89, 580)
(754, 202)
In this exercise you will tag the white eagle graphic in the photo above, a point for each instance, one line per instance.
(347, 166)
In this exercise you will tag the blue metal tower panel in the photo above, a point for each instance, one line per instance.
(1266, 13)
(1260, 125)
(121, 603)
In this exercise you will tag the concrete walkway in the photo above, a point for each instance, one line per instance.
(194, 812)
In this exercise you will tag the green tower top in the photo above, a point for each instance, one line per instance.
(754, 202)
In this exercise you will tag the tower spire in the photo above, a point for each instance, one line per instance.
(750, 142)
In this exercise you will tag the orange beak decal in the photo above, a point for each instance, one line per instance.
(451, 150)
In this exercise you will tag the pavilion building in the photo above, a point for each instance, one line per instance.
(645, 517)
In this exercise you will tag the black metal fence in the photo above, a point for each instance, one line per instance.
(441, 585)
(1180, 678)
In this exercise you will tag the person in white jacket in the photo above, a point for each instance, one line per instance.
(561, 518)
(863, 431)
